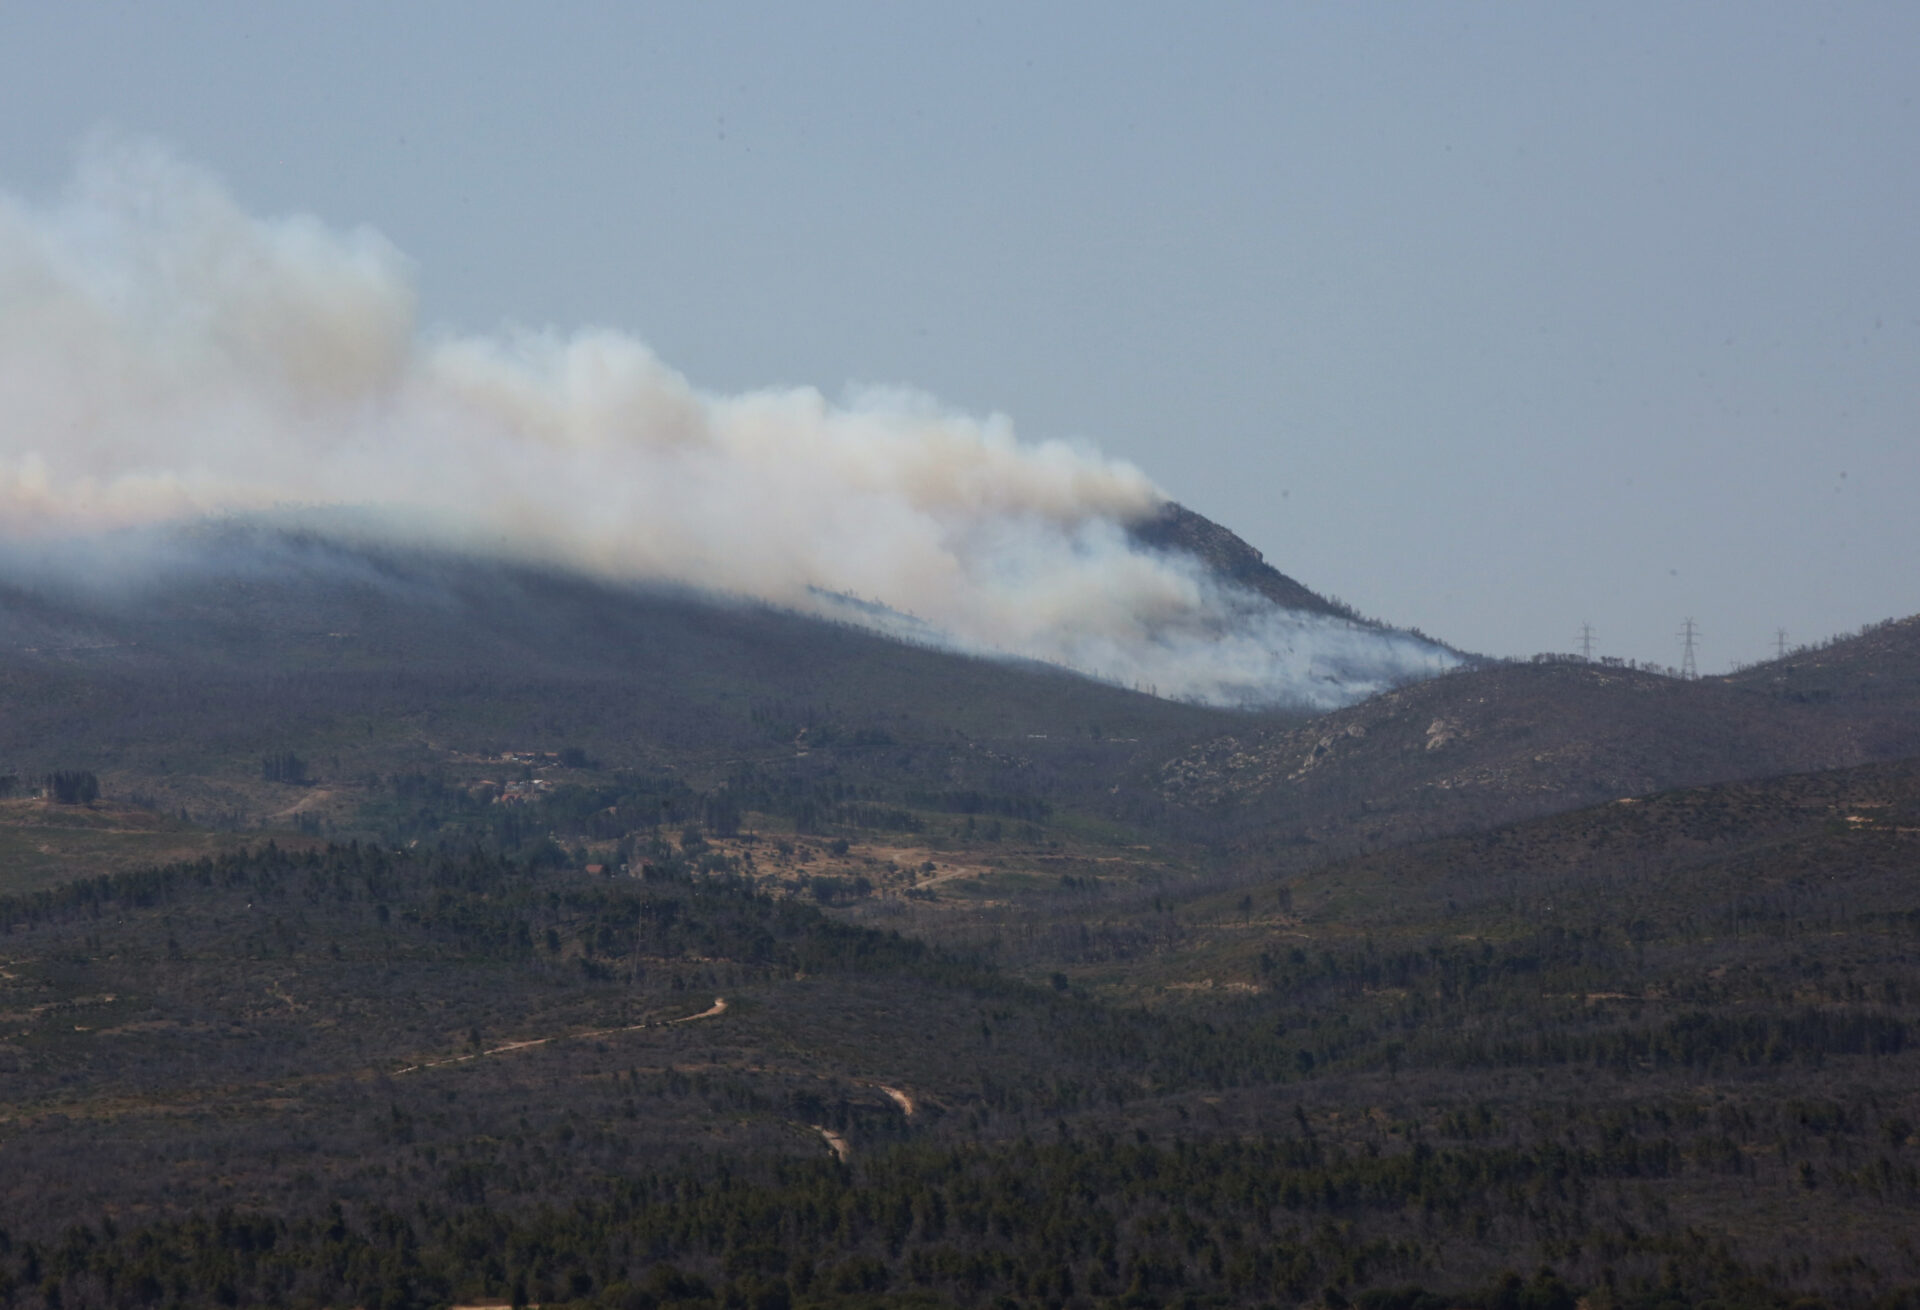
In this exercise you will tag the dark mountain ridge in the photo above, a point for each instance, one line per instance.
(1176, 529)
(249, 640)
(258, 642)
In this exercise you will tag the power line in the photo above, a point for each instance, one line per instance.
(1687, 634)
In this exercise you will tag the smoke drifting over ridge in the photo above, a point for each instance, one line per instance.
(164, 355)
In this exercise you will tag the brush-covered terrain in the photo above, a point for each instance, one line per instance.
(408, 934)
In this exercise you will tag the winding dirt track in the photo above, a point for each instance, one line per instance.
(841, 1148)
(718, 1008)
(899, 1098)
(836, 1141)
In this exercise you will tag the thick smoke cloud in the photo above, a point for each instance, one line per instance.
(166, 355)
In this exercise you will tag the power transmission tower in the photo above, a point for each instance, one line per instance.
(1687, 666)
(1780, 644)
(1586, 642)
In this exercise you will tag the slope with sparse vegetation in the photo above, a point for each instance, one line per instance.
(1523, 986)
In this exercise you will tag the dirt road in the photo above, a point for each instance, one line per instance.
(719, 1007)
(899, 1098)
(836, 1141)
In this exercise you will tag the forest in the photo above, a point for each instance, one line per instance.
(543, 944)
(362, 1074)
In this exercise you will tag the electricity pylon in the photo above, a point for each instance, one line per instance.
(1687, 634)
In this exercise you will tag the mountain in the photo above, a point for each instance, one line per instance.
(248, 641)
(245, 641)
(1176, 529)
(173, 663)
(522, 936)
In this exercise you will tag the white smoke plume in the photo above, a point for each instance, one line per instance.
(166, 355)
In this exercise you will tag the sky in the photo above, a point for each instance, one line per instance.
(1493, 320)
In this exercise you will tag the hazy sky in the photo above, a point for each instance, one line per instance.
(1489, 319)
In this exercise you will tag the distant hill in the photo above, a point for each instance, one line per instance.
(1507, 741)
(1871, 679)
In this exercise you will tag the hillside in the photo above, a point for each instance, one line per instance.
(1506, 741)
(1872, 679)
(1683, 1030)
(531, 938)
(400, 681)
(1175, 528)
(367, 662)
(373, 664)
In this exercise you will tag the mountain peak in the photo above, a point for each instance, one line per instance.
(1172, 527)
